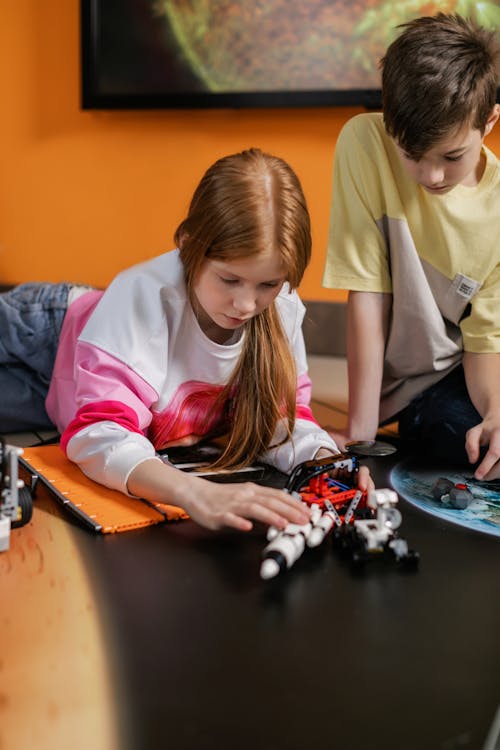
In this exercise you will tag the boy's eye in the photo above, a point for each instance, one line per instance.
(453, 158)
(270, 284)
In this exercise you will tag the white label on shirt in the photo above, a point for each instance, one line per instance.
(464, 286)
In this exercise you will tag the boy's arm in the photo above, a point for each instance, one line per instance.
(482, 375)
(367, 325)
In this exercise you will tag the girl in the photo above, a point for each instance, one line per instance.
(204, 340)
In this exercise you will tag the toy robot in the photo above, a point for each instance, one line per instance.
(16, 505)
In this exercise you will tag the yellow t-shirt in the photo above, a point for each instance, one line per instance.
(439, 256)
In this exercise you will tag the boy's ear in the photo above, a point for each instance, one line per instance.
(492, 119)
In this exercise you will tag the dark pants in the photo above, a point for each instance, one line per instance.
(435, 423)
(31, 317)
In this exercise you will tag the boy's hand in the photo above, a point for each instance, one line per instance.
(482, 373)
(487, 433)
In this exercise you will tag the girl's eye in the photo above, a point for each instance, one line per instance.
(228, 281)
(270, 284)
(453, 158)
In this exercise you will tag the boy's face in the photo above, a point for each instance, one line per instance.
(456, 160)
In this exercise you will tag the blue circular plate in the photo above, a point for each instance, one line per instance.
(414, 481)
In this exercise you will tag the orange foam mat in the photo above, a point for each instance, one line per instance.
(96, 507)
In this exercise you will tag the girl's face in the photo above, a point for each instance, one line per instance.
(229, 293)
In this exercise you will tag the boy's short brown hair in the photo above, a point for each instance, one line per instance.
(439, 74)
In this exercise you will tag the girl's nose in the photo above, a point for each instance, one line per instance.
(245, 302)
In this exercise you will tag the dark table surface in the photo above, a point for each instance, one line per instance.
(207, 655)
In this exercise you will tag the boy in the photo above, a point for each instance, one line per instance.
(415, 238)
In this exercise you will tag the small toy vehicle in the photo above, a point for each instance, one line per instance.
(362, 524)
(310, 483)
(16, 506)
(457, 496)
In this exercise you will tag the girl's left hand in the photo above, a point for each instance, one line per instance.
(365, 481)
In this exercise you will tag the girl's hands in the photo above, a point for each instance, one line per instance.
(216, 506)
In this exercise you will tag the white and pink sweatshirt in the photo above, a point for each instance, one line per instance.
(134, 373)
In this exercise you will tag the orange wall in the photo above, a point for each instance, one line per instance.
(84, 194)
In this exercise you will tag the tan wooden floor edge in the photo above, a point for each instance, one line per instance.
(56, 689)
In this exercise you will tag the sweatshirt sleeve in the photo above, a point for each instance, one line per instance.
(107, 453)
(106, 436)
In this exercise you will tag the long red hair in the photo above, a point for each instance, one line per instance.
(244, 203)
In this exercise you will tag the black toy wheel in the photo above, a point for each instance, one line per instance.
(364, 514)
(25, 506)
(342, 540)
(411, 560)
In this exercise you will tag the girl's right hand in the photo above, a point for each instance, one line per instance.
(217, 506)
(212, 505)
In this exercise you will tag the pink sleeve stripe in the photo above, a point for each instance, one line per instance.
(303, 408)
(304, 412)
(304, 389)
(103, 411)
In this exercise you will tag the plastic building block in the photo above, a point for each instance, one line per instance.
(16, 505)
(377, 536)
(457, 496)
(362, 524)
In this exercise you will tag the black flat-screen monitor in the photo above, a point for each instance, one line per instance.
(145, 54)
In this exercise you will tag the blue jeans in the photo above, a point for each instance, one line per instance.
(31, 317)
(434, 424)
